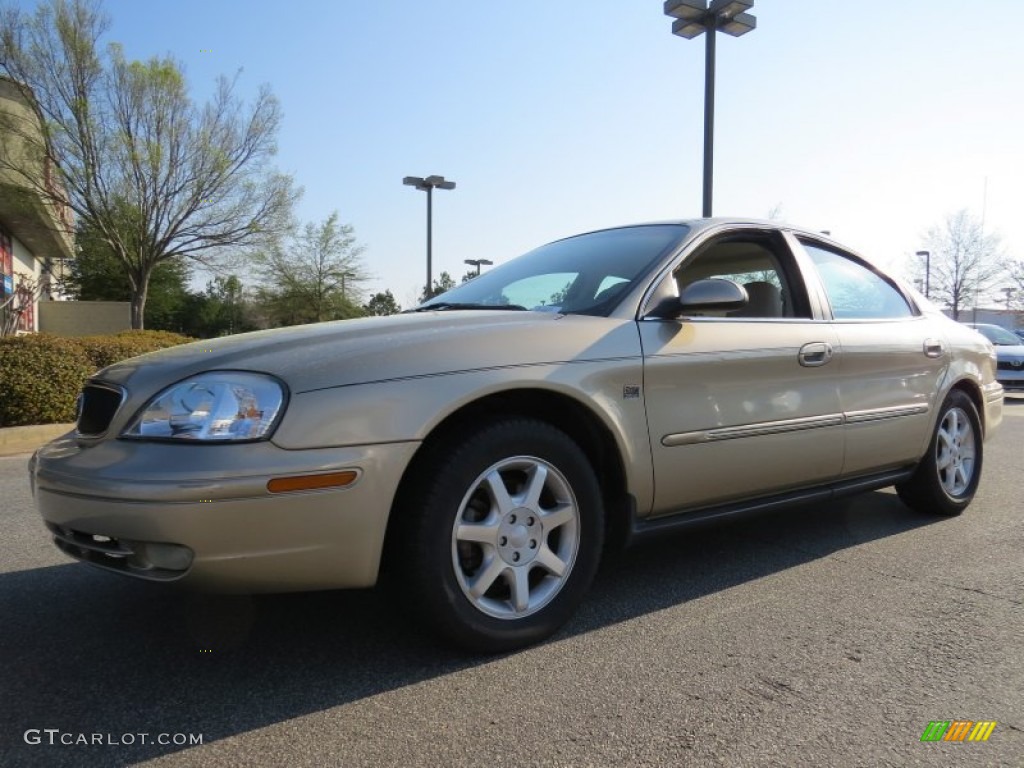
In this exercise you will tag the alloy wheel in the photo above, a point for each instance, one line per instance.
(955, 451)
(515, 538)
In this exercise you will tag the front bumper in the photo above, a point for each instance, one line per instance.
(1012, 381)
(202, 515)
(993, 395)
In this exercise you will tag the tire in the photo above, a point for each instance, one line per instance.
(500, 535)
(946, 480)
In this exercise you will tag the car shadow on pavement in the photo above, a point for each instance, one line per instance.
(91, 653)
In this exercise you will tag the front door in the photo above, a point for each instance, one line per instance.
(742, 403)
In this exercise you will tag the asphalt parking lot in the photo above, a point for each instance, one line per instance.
(823, 636)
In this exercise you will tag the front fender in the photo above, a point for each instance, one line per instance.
(410, 409)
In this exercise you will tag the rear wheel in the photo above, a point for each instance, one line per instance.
(501, 534)
(947, 477)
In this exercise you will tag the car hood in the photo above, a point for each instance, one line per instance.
(1010, 350)
(365, 350)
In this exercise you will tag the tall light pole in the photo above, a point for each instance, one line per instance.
(343, 276)
(477, 263)
(693, 18)
(927, 272)
(428, 185)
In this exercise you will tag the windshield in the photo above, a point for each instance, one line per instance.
(998, 335)
(587, 274)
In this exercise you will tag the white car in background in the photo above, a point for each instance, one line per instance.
(1009, 354)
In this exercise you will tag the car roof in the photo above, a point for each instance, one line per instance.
(723, 222)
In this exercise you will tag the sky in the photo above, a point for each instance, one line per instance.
(872, 121)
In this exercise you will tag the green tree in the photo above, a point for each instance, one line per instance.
(317, 274)
(441, 284)
(96, 274)
(156, 175)
(230, 307)
(221, 310)
(382, 304)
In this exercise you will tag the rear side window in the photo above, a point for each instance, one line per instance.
(855, 291)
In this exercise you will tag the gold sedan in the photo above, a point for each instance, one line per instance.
(479, 450)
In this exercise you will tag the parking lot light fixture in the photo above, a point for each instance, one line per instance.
(739, 24)
(693, 18)
(428, 185)
(478, 263)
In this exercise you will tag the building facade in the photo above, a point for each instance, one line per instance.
(36, 233)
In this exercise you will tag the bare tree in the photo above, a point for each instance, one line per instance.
(964, 261)
(1015, 280)
(19, 304)
(155, 174)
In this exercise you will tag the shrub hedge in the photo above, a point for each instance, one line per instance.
(41, 375)
(107, 350)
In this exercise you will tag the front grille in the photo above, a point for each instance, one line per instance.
(1008, 365)
(97, 405)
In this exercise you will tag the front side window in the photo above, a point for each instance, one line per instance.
(758, 264)
(855, 291)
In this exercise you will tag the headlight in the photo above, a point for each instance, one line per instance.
(219, 407)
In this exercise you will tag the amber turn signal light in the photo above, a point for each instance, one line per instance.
(312, 482)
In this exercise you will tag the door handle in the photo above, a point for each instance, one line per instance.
(933, 348)
(815, 353)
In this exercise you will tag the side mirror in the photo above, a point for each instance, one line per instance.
(712, 293)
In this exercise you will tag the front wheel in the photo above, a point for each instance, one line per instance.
(502, 532)
(947, 477)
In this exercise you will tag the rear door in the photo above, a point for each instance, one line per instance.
(891, 363)
(741, 403)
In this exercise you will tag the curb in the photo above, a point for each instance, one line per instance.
(18, 440)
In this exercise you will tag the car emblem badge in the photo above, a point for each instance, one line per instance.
(631, 392)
